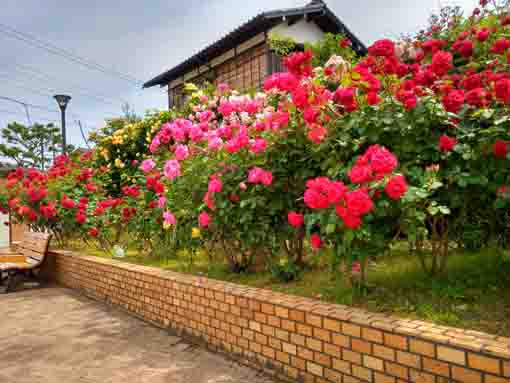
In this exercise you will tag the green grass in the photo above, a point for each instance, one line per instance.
(474, 293)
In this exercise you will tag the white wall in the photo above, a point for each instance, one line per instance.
(4, 231)
(302, 31)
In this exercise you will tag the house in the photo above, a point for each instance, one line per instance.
(243, 58)
(8, 232)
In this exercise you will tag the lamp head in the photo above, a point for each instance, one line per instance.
(62, 100)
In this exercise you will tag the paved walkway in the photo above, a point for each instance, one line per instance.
(53, 335)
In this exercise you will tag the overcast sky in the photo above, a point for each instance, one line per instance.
(142, 39)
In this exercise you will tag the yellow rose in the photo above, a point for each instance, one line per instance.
(195, 232)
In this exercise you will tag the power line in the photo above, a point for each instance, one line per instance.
(35, 91)
(70, 56)
(4, 111)
(38, 74)
(20, 102)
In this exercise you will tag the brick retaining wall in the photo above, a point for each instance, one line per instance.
(302, 339)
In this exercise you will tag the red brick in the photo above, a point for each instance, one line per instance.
(323, 335)
(255, 326)
(273, 321)
(484, 363)
(297, 339)
(397, 370)
(248, 334)
(351, 329)
(288, 325)
(297, 316)
(333, 376)
(495, 379)
(260, 338)
(254, 305)
(384, 352)
(422, 347)
(372, 335)
(282, 357)
(314, 320)
(322, 359)
(260, 317)
(421, 377)
(282, 334)
(466, 376)
(452, 355)
(267, 308)
(342, 366)
(395, 341)
(362, 373)
(255, 347)
(351, 356)
(281, 312)
(436, 367)
(268, 330)
(305, 353)
(341, 340)
(315, 369)
(332, 325)
(332, 350)
(351, 379)
(298, 363)
(408, 359)
(314, 344)
(373, 363)
(275, 343)
(268, 352)
(361, 346)
(304, 329)
(380, 378)
(289, 348)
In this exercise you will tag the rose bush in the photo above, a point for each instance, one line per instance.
(410, 142)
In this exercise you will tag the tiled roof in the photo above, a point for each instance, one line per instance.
(316, 10)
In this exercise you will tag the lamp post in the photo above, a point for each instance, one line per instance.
(62, 101)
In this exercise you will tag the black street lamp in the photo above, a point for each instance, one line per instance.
(62, 101)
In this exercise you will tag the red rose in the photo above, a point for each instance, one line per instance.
(446, 144)
(396, 187)
(442, 62)
(373, 98)
(477, 97)
(360, 174)
(317, 133)
(295, 219)
(483, 34)
(500, 46)
(466, 48)
(358, 202)
(93, 232)
(347, 98)
(67, 203)
(410, 101)
(382, 48)
(502, 90)
(81, 217)
(345, 42)
(381, 160)
(316, 241)
(502, 190)
(351, 221)
(501, 149)
(453, 101)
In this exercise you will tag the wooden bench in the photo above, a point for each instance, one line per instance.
(25, 259)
